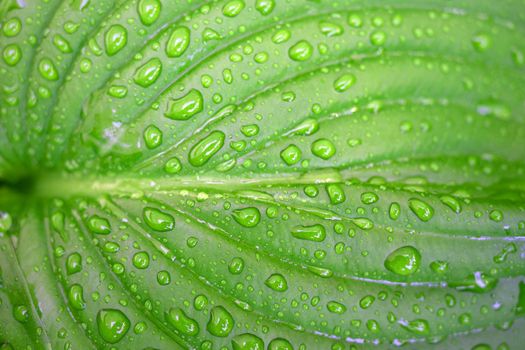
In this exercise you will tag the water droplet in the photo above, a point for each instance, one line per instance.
(291, 155)
(308, 127)
(247, 217)
(366, 301)
(315, 233)
(152, 137)
(158, 220)
(6, 221)
(62, 44)
(323, 149)
(12, 54)
(265, 7)
(481, 42)
(452, 203)
(149, 11)
(163, 278)
(116, 38)
(354, 20)
(112, 325)
(184, 324)
(97, 224)
(74, 263)
(496, 215)
(247, 341)
(378, 38)
(236, 266)
(141, 260)
(200, 302)
(12, 27)
(47, 69)
(76, 297)
(281, 36)
(173, 166)
(202, 152)
(280, 344)
(335, 307)
(301, 51)
(185, 107)
(403, 261)
(148, 73)
(369, 197)
(419, 326)
(178, 42)
(344, 82)
(233, 8)
(422, 210)
(250, 130)
(363, 223)
(330, 29)
(336, 193)
(477, 282)
(439, 267)
(277, 282)
(21, 313)
(221, 322)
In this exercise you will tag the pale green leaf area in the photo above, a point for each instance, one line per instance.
(262, 174)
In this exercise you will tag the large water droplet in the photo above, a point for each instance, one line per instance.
(336, 193)
(422, 210)
(116, 38)
(323, 149)
(76, 297)
(301, 51)
(158, 220)
(233, 8)
(141, 260)
(184, 324)
(291, 155)
(202, 152)
(152, 137)
(221, 322)
(178, 42)
(277, 282)
(315, 233)
(280, 344)
(112, 325)
(99, 225)
(12, 54)
(265, 7)
(47, 69)
(149, 11)
(247, 341)
(73, 263)
(247, 217)
(403, 261)
(148, 73)
(185, 107)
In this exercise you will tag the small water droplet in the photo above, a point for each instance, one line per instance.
(264, 7)
(152, 137)
(481, 42)
(21, 313)
(335, 307)
(12, 54)
(378, 38)
(12, 27)
(496, 215)
(281, 36)
(74, 263)
(363, 223)
(173, 166)
(419, 327)
(280, 344)
(330, 29)
(369, 197)
(62, 44)
(367, 301)
(452, 203)
(336, 193)
(6, 221)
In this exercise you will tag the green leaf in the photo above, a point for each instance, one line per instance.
(262, 174)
